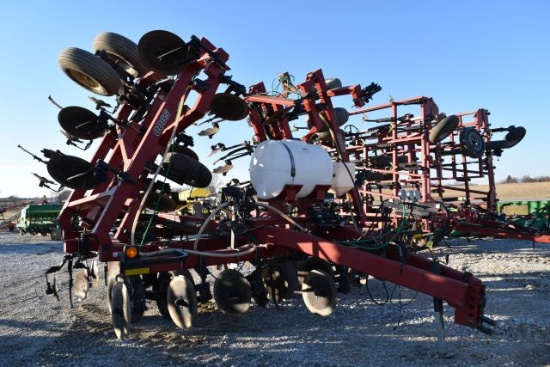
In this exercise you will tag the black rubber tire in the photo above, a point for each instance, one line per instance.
(185, 150)
(443, 128)
(63, 167)
(185, 170)
(319, 292)
(160, 202)
(232, 292)
(471, 143)
(90, 71)
(121, 51)
(81, 123)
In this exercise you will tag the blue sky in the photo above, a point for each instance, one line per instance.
(464, 54)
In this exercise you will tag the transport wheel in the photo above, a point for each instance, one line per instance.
(160, 202)
(181, 300)
(185, 150)
(319, 292)
(165, 52)
(229, 107)
(161, 289)
(183, 169)
(232, 292)
(74, 172)
(313, 263)
(81, 123)
(121, 51)
(280, 280)
(471, 143)
(443, 128)
(121, 309)
(89, 71)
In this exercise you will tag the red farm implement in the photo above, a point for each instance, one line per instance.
(320, 209)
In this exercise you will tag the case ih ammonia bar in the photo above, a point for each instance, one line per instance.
(321, 208)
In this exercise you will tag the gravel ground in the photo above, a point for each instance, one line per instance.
(388, 326)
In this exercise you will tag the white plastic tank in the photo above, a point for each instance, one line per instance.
(344, 176)
(277, 163)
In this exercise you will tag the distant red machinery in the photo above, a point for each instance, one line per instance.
(320, 209)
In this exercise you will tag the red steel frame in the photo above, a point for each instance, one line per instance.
(131, 150)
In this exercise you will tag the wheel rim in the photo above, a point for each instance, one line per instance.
(232, 292)
(472, 142)
(86, 81)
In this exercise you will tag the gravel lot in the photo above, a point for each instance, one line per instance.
(394, 327)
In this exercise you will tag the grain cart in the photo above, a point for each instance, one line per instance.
(300, 230)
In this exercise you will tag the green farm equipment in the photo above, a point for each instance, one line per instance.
(39, 219)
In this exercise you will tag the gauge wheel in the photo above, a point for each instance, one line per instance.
(165, 53)
(81, 123)
(89, 71)
(120, 51)
(183, 169)
(319, 292)
(160, 202)
(232, 292)
(443, 128)
(185, 150)
(161, 289)
(74, 172)
(181, 300)
(471, 143)
(121, 309)
(280, 280)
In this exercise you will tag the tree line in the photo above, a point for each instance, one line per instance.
(526, 179)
